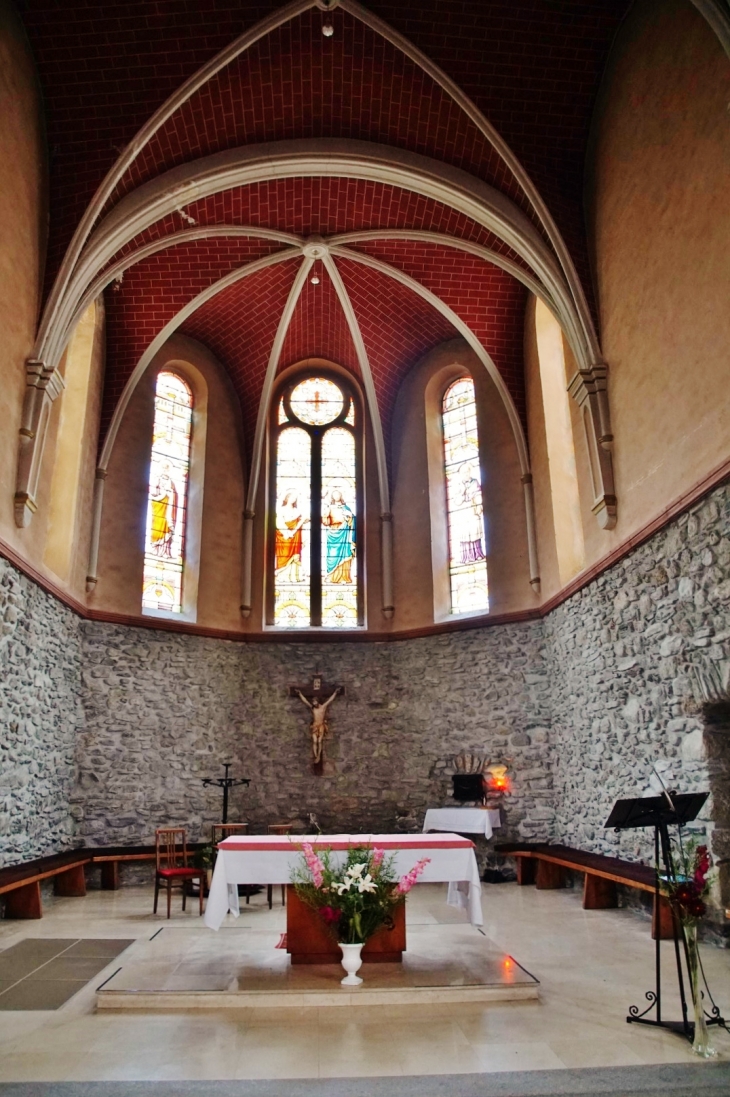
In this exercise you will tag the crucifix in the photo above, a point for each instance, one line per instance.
(318, 696)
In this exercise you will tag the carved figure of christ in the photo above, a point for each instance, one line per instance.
(319, 726)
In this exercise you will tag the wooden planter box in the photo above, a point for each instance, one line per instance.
(308, 941)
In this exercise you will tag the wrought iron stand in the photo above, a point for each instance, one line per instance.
(659, 812)
(226, 782)
(654, 997)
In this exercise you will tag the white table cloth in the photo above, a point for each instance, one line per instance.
(264, 859)
(463, 820)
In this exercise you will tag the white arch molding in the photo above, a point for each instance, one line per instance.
(333, 159)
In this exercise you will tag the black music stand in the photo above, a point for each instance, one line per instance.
(661, 812)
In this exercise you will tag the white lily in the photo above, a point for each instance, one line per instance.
(366, 884)
(355, 870)
(341, 888)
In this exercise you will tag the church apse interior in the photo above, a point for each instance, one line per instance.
(379, 344)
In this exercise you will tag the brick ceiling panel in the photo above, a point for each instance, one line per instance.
(151, 294)
(531, 66)
(490, 301)
(397, 327)
(239, 326)
(319, 327)
(295, 83)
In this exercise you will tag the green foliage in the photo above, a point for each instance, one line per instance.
(354, 899)
(204, 857)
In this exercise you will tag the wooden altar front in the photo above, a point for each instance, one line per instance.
(309, 942)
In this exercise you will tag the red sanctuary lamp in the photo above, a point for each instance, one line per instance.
(497, 782)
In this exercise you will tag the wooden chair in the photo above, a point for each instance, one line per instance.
(219, 831)
(277, 828)
(171, 865)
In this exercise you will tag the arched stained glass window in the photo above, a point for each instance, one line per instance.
(315, 546)
(164, 555)
(464, 504)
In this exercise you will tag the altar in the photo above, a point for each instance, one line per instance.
(270, 859)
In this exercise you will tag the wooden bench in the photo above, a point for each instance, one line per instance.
(21, 884)
(544, 865)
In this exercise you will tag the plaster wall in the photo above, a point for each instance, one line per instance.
(419, 497)
(537, 434)
(63, 521)
(121, 546)
(657, 198)
(23, 226)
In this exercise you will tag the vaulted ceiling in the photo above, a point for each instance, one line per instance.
(531, 67)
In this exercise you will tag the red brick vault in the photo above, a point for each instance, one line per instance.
(210, 161)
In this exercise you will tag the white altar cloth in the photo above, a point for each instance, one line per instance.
(269, 859)
(463, 820)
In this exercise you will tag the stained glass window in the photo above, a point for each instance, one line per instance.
(293, 528)
(167, 495)
(464, 504)
(316, 401)
(316, 579)
(339, 530)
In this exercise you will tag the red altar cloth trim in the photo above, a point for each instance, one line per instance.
(430, 841)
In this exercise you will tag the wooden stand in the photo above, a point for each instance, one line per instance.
(309, 942)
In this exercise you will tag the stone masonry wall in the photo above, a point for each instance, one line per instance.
(40, 715)
(581, 705)
(627, 652)
(164, 710)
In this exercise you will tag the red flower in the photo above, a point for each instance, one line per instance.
(329, 914)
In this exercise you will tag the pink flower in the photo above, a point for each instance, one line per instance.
(378, 855)
(314, 864)
(406, 882)
(329, 914)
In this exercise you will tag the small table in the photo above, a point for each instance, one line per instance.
(463, 820)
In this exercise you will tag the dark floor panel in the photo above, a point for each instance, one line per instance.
(70, 967)
(11, 972)
(43, 973)
(30, 994)
(27, 957)
(109, 947)
(39, 949)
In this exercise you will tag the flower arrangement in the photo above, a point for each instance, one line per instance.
(357, 898)
(689, 884)
(686, 890)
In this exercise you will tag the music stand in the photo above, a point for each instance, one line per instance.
(661, 812)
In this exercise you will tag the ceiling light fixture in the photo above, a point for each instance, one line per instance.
(314, 280)
(328, 30)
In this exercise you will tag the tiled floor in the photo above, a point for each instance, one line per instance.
(591, 964)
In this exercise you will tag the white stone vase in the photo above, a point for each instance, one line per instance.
(351, 962)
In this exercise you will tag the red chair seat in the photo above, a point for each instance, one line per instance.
(187, 872)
